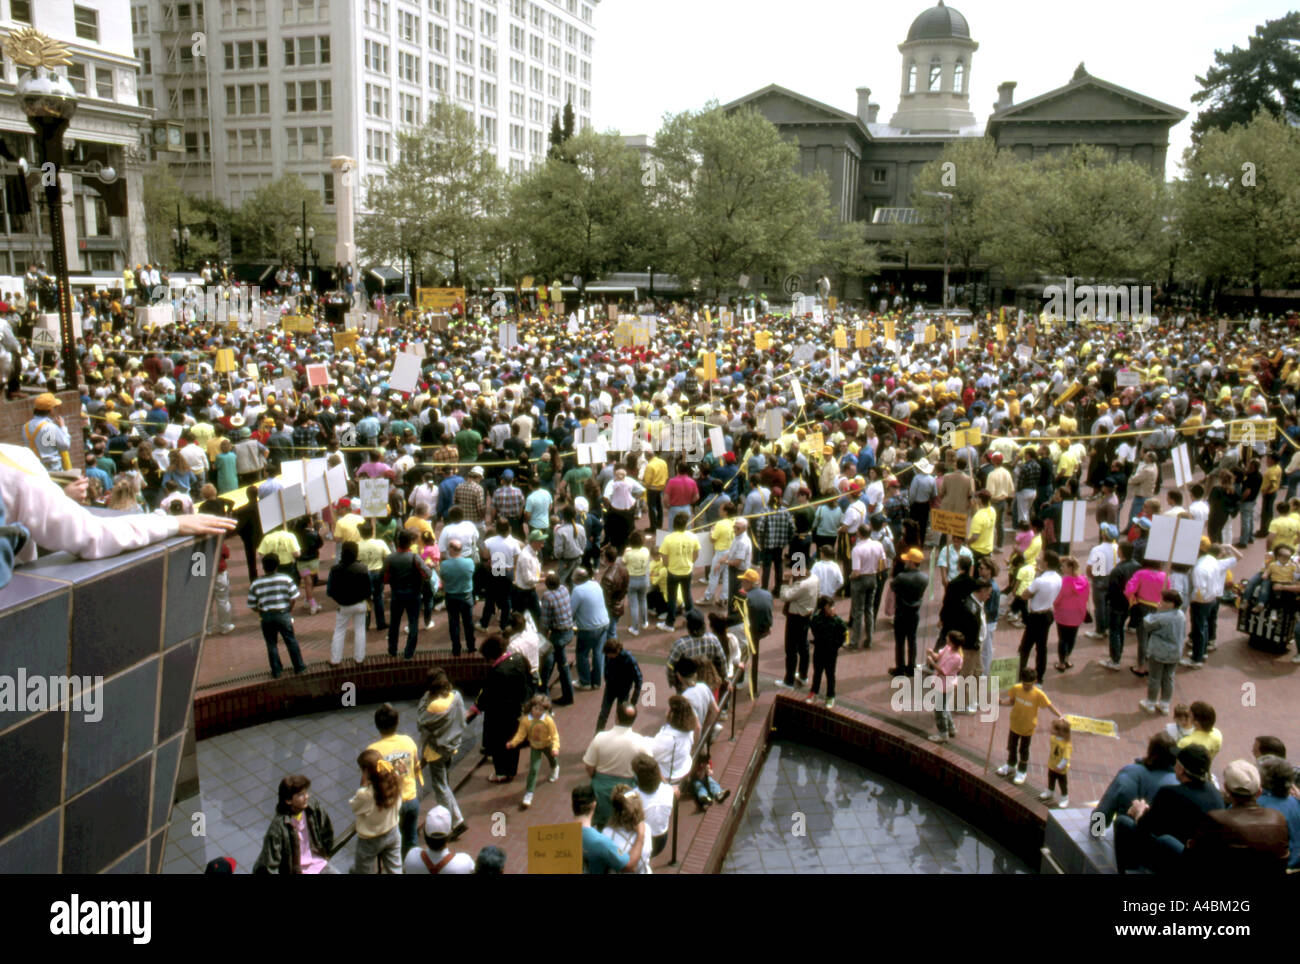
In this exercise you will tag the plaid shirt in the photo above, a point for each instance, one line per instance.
(698, 648)
(446, 453)
(775, 530)
(508, 501)
(469, 496)
(1027, 475)
(557, 614)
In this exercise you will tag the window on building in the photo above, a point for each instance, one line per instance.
(519, 8)
(516, 37)
(243, 13)
(145, 56)
(437, 77)
(586, 44)
(516, 104)
(305, 11)
(410, 107)
(535, 109)
(487, 93)
(145, 95)
(535, 143)
(584, 71)
(439, 7)
(77, 77)
(936, 73)
(552, 86)
(139, 18)
(516, 71)
(376, 15)
(536, 78)
(327, 189)
(408, 67)
(516, 166)
(584, 99)
(959, 77)
(21, 11)
(377, 100)
(554, 52)
(438, 38)
(517, 137)
(879, 175)
(487, 23)
(464, 86)
(85, 22)
(465, 13)
(310, 144)
(586, 13)
(536, 47)
(911, 78)
(376, 56)
(488, 128)
(408, 26)
(536, 16)
(104, 83)
(570, 64)
(464, 49)
(555, 25)
(487, 59)
(570, 92)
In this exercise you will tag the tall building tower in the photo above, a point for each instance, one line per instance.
(290, 83)
(102, 216)
(935, 88)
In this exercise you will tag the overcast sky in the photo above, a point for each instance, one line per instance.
(666, 56)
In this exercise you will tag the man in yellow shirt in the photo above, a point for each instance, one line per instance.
(371, 553)
(654, 480)
(348, 526)
(1284, 530)
(679, 551)
(400, 753)
(419, 522)
(1268, 492)
(722, 534)
(983, 526)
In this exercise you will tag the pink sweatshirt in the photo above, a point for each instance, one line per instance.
(946, 668)
(1071, 602)
(1146, 585)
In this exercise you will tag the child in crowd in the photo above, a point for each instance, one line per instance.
(1279, 571)
(1165, 629)
(1058, 764)
(1026, 698)
(1182, 725)
(828, 635)
(701, 785)
(377, 805)
(537, 726)
(1024, 535)
(1022, 573)
(625, 821)
(830, 580)
(1205, 734)
(946, 663)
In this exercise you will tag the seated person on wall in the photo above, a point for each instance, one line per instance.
(37, 512)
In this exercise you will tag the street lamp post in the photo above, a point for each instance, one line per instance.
(304, 235)
(947, 219)
(181, 239)
(50, 102)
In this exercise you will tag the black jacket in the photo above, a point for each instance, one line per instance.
(280, 854)
(349, 585)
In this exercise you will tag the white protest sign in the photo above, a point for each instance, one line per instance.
(316, 491)
(1074, 517)
(1127, 379)
(1182, 466)
(798, 391)
(406, 373)
(749, 316)
(773, 423)
(374, 497)
(336, 482)
(624, 425)
(1160, 540)
(269, 512)
(172, 433)
(717, 443)
(419, 350)
(294, 502)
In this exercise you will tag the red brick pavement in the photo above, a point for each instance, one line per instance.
(1252, 692)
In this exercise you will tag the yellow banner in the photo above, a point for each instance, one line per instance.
(930, 334)
(225, 361)
(1074, 389)
(345, 339)
(832, 302)
(301, 324)
(438, 299)
(853, 392)
(889, 330)
(710, 366)
(861, 338)
(841, 338)
(964, 437)
(1086, 724)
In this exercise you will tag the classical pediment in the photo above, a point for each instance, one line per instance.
(785, 107)
(1088, 99)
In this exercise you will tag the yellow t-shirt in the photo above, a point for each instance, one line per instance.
(679, 550)
(1212, 741)
(636, 560)
(656, 474)
(1067, 465)
(1059, 754)
(1285, 531)
(723, 534)
(372, 553)
(348, 528)
(982, 525)
(1033, 549)
(1024, 577)
(1272, 479)
(1281, 573)
(283, 544)
(1025, 704)
(400, 752)
(418, 526)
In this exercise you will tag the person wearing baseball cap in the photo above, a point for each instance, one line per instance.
(1246, 839)
(1154, 833)
(434, 856)
(47, 435)
(909, 591)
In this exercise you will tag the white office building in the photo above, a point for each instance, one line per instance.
(287, 84)
(102, 216)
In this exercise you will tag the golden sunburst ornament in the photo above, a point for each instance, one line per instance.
(31, 48)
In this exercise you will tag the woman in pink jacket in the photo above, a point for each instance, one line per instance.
(1068, 611)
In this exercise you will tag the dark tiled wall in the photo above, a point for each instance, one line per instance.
(85, 795)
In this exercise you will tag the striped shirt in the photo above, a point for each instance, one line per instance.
(272, 594)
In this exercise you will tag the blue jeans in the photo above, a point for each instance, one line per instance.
(275, 625)
(1247, 522)
(673, 512)
(591, 656)
(1100, 605)
(460, 615)
(1135, 509)
(682, 585)
(408, 604)
(556, 657)
(407, 819)
(637, 589)
(1115, 627)
(1201, 616)
(705, 789)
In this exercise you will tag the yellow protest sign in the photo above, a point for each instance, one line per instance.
(815, 442)
(853, 392)
(949, 523)
(555, 848)
(439, 299)
(964, 437)
(1086, 724)
(762, 340)
(708, 318)
(889, 330)
(832, 302)
(1250, 431)
(1074, 389)
(841, 337)
(1000, 332)
(225, 361)
(861, 338)
(301, 324)
(930, 334)
(346, 339)
(527, 282)
(710, 361)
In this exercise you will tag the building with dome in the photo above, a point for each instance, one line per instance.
(871, 164)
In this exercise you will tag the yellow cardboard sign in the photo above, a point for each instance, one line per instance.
(841, 337)
(710, 360)
(1001, 332)
(1074, 389)
(527, 282)
(832, 302)
(949, 523)
(762, 340)
(815, 443)
(555, 848)
(345, 339)
(930, 334)
(861, 338)
(889, 330)
(301, 324)
(1259, 431)
(1086, 724)
(964, 437)
(853, 392)
(225, 361)
(439, 299)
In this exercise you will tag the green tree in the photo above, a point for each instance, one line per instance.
(264, 224)
(585, 210)
(845, 254)
(161, 197)
(1238, 210)
(431, 206)
(1265, 76)
(731, 199)
(1075, 214)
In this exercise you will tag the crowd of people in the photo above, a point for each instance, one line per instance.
(800, 474)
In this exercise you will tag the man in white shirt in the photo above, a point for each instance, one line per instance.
(868, 564)
(426, 494)
(1208, 576)
(1101, 560)
(739, 556)
(434, 856)
(1038, 622)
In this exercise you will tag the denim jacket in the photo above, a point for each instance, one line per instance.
(1166, 631)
